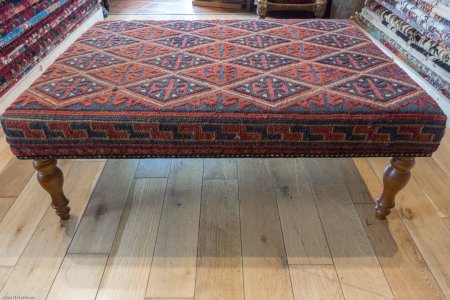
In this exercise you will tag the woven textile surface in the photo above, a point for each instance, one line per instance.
(223, 88)
(32, 28)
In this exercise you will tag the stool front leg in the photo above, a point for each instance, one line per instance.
(396, 176)
(51, 178)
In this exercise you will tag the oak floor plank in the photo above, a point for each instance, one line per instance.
(404, 267)
(424, 225)
(447, 222)
(102, 216)
(435, 183)
(220, 168)
(219, 263)
(153, 167)
(265, 267)
(5, 205)
(315, 282)
(302, 229)
(128, 268)
(41, 259)
(357, 266)
(442, 154)
(355, 184)
(173, 268)
(21, 220)
(14, 176)
(79, 277)
(4, 275)
(371, 183)
(5, 153)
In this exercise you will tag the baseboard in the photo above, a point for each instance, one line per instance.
(47, 61)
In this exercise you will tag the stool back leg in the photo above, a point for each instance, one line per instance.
(51, 178)
(396, 176)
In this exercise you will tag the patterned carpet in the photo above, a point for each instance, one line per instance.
(223, 88)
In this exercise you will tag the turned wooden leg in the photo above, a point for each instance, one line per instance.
(262, 8)
(396, 176)
(319, 8)
(51, 179)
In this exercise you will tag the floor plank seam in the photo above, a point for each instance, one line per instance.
(157, 230)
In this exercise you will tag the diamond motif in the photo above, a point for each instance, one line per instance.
(259, 41)
(353, 61)
(139, 50)
(126, 73)
(188, 26)
(119, 26)
(151, 33)
(323, 25)
(75, 49)
(374, 88)
(221, 50)
(270, 88)
(294, 33)
(183, 41)
(302, 50)
(393, 71)
(368, 49)
(177, 61)
(221, 33)
(255, 25)
(315, 74)
(264, 61)
(168, 88)
(335, 40)
(54, 72)
(70, 88)
(107, 41)
(220, 74)
(92, 61)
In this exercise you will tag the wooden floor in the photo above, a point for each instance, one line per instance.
(225, 229)
(163, 7)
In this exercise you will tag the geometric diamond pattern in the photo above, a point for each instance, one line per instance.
(264, 61)
(374, 88)
(302, 50)
(168, 88)
(335, 40)
(69, 88)
(139, 50)
(220, 50)
(120, 26)
(188, 26)
(270, 88)
(150, 33)
(223, 88)
(255, 25)
(353, 61)
(324, 25)
(183, 41)
(259, 41)
(108, 41)
(315, 74)
(126, 73)
(220, 74)
(92, 61)
(177, 61)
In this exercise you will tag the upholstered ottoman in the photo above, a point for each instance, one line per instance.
(252, 88)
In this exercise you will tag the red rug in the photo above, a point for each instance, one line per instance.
(223, 88)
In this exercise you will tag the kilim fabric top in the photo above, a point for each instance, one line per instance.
(223, 89)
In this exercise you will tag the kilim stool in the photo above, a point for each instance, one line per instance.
(239, 88)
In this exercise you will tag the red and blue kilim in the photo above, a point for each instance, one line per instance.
(223, 88)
